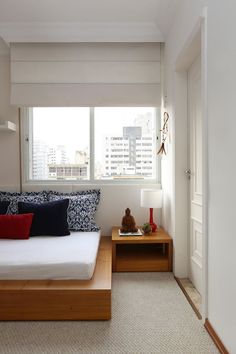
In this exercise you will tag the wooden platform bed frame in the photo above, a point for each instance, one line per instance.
(61, 299)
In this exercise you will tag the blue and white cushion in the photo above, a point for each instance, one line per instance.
(14, 198)
(81, 210)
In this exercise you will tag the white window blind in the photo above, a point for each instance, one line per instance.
(85, 74)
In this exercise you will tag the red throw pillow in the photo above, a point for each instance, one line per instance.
(15, 226)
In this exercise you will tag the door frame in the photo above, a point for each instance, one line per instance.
(196, 43)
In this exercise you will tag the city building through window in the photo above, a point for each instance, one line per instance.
(88, 144)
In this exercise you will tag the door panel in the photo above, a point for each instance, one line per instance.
(195, 163)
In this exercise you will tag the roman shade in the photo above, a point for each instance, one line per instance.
(85, 74)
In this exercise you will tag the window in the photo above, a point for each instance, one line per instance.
(90, 144)
(59, 143)
(125, 130)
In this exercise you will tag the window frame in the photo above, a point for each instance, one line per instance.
(26, 136)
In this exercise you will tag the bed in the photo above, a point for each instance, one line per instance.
(49, 257)
(56, 278)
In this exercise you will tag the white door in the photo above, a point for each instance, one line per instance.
(195, 174)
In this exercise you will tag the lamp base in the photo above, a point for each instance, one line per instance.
(151, 222)
(153, 226)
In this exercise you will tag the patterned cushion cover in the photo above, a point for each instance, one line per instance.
(81, 210)
(14, 198)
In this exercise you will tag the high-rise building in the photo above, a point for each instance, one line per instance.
(39, 160)
(57, 155)
(81, 157)
(68, 171)
(129, 154)
(60, 168)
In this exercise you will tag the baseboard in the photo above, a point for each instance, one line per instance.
(215, 337)
(189, 299)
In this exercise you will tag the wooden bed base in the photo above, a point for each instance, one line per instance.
(61, 299)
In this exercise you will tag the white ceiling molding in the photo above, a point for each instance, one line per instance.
(80, 32)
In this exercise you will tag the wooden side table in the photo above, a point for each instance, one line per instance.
(142, 253)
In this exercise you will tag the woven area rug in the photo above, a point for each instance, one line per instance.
(150, 315)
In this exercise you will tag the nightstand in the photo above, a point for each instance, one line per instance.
(152, 253)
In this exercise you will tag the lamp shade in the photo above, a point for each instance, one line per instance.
(151, 198)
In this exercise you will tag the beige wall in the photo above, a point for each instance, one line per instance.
(9, 141)
(114, 199)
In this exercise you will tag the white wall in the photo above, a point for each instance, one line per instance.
(221, 75)
(222, 169)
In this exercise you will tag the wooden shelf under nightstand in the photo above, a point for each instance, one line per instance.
(141, 253)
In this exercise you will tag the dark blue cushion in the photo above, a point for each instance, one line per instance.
(3, 207)
(49, 219)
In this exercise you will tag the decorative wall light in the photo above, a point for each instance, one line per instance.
(164, 132)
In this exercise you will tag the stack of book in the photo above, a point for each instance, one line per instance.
(137, 233)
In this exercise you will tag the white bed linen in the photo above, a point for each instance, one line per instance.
(48, 257)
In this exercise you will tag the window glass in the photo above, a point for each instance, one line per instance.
(59, 143)
(125, 143)
(120, 143)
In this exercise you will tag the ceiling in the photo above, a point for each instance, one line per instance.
(86, 20)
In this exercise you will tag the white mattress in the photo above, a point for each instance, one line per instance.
(48, 257)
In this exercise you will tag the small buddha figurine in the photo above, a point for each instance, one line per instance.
(128, 223)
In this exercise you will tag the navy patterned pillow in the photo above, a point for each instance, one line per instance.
(81, 210)
(14, 198)
(97, 193)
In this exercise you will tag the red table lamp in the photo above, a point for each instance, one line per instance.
(151, 198)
